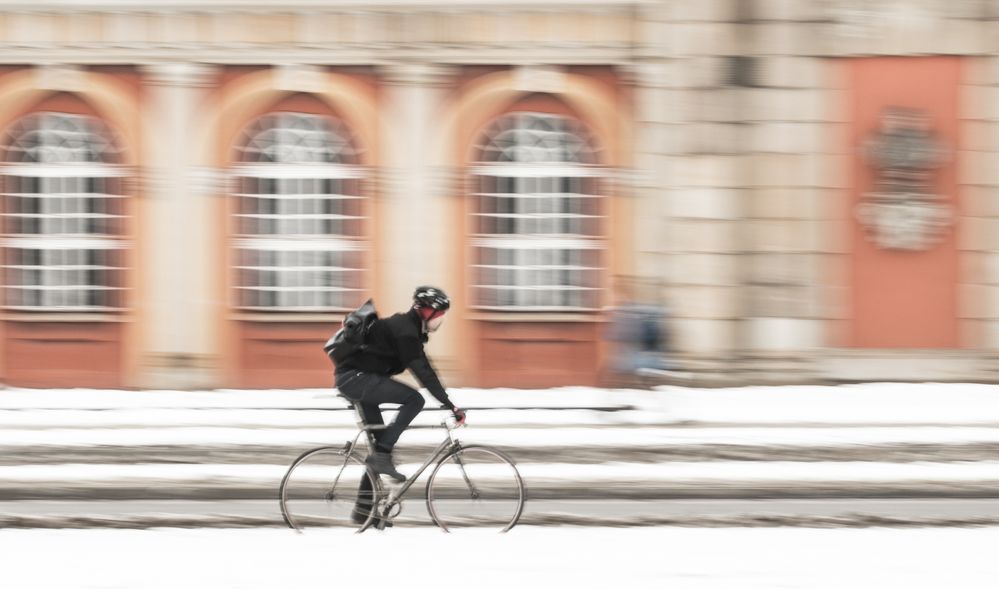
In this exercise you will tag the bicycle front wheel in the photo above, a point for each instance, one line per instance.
(325, 487)
(476, 486)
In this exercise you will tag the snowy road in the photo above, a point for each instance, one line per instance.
(261, 513)
(589, 456)
(580, 558)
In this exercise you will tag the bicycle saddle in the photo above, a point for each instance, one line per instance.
(364, 425)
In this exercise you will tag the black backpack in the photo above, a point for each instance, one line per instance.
(351, 337)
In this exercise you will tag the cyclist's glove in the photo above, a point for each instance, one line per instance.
(459, 415)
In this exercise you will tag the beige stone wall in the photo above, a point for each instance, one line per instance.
(979, 220)
(690, 173)
(741, 180)
(792, 187)
(180, 259)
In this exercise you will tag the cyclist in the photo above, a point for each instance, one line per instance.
(394, 344)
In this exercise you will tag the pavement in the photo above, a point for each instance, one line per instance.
(834, 455)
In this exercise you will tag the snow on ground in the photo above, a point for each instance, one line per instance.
(889, 403)
(573, 557)
(282, 433)
(807, 416)
(716, 472)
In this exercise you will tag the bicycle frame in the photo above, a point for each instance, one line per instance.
(395, 494)
(348, 451)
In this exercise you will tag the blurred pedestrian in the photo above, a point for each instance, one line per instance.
(639, 337)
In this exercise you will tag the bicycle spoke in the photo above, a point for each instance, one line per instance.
(323, 488)
(476, 486)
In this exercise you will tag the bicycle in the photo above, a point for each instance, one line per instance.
(470, 485)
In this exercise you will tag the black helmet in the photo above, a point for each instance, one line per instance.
(431, 297)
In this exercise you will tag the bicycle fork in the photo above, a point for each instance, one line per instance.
(461, 466)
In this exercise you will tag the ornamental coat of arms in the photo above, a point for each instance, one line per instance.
(902, 213)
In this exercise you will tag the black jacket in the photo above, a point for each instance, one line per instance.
(395, 344)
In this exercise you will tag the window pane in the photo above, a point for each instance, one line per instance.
(308, 224)
(66, 232)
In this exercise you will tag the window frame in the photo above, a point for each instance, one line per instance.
(64, 216)
(297, 228)
(535, 246)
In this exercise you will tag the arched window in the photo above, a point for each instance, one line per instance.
(537, 215)
(297, 215)
(63, 215)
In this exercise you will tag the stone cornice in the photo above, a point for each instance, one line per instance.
(539, 78)
(417, 74)
(297, 5)
(60, 77)
(647, 74)
(184, 74)
(341, 35)
(326, 54)
(295, 77)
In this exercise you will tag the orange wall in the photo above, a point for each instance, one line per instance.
(284, 355)
(529, 355)
(903, 299)
(64, 354)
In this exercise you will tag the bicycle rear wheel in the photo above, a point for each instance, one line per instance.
(323, 487)
(476, 486)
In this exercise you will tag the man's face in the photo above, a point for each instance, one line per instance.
(434, 321)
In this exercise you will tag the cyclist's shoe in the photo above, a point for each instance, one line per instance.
(381, 463)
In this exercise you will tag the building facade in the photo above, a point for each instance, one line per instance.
(194, 195)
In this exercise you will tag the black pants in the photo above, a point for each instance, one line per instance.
(368, 391)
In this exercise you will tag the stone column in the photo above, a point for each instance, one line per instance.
(688, 213)
(179, 251)
(978, 225)
(418, 214)
(785, 104)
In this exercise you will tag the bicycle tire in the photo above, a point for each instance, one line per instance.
(321, 488)
(469, 477)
